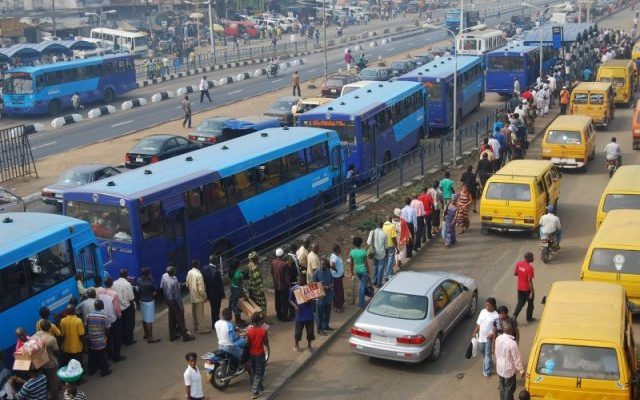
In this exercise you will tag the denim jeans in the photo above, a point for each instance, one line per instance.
(485, 350)
(390, 262)
(323, 314)
(378, 271)
(258, 364)
(364, 278)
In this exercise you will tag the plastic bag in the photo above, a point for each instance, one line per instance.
(474, 347)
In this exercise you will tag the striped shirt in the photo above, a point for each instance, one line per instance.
(78, 396)
(34, 389)
(97, 323)
(508, 360)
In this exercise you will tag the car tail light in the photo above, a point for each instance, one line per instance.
(127, 158)
(355, 331)
(154, 159)
(46, 194)
(192, 137)
(411, 339)
(211, 140)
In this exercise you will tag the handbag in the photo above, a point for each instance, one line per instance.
(474, 347)
(368, 290)
(371, 251)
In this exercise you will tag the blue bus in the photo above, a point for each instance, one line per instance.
(40, 255)
(516, 60)
(376, 123)
(221, 200)
(437, 77)
(47, 88)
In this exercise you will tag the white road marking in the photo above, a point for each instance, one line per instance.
(235, 91)
(43, 145)
(390, 48)
(122, 123)
(276, 80)
(311, 70)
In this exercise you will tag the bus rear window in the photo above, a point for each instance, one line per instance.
(564, 137)
(596, 98)
(509, 191)
(107, 222)
(615, 260)
(578, 361)
(621, 201)
(505, 63)
(580, 98)
(434, 91)
(34, 274)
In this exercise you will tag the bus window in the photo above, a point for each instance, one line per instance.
(196, 205)
(318, 155)
(50, 266)
(151, 220)
(87, 262)
(269, 175)
(296, 165)
(215, 196)
(13, 284)
(18, 83)
(434, 89)
(244, 185)
(107, 222)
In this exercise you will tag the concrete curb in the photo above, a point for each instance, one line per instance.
(140, 101)
(66, 120)
(100, 111)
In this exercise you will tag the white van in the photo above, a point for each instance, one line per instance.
(350, 87)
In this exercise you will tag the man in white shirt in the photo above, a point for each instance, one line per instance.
(612, 151)
(378, 239)
(124, 289)
(550, 224)
(495, 145)
(192, 378)
(204, 89)
(484, 332)
(409, 215)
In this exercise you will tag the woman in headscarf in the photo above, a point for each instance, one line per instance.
(450, 213)
(255, 286)
(464, 203)
(404, 236)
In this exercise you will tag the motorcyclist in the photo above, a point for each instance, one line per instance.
(362, 62)
(612, 152)
(273, 66)
(550, 225)
(228, 340)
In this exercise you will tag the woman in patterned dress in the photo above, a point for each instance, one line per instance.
(255, 286)
(464, 204)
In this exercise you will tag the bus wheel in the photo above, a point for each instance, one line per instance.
(53, 108)
(223, 250)
(109, 95)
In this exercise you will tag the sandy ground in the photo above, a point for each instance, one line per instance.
(112, 151)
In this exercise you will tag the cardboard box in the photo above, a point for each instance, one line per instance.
(23, 361)
(249, 307)
(312, 291)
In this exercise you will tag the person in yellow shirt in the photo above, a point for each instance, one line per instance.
(44, 316)
(72, 331)
(392, 246)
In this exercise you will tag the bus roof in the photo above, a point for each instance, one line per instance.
(569, 122)
(441, 68)
(513, 49)
(587, 86)
(69, 64)
(119, 32)
(17, 229)
(591, 310)
(525, 168)
(617, 63)
(620, 228)
(225, 159)
(481, 33)
(364, 99)
(625, 179)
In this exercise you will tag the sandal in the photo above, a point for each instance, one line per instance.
(153, 340)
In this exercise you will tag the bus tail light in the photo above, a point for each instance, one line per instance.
(411, 339)
(355, 331)
(154, 159)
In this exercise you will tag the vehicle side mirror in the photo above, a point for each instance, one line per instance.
(464, 288)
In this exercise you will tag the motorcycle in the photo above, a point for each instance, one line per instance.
(272, 70)
(548, 246)
(612, 166)
(339, 33)
(221, 367)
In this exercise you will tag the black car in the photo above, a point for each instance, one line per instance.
(332, 86)
(158, 147)
(401, 67)
(221, 129)
(281, 108)
(375, 74)
(422, 59)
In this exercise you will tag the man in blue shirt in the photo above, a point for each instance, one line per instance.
(323, 305)
(304, 316)
(586, 74)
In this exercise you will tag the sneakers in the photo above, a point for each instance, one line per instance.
(256, 394)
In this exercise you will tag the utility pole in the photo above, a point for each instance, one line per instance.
(324, 27)
(53, 11)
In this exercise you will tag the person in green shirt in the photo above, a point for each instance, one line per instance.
(446, 185)
(237, 278)
(359, 265)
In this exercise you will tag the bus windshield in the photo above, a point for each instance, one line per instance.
(578, 361)
(140, 41)
(434, 91)
(108, 222)
(18, 83)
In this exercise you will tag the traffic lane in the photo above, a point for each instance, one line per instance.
(107, 127)
(490, 260)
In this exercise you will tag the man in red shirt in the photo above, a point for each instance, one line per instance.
(427, 201)
(257, 338)
(524, 272)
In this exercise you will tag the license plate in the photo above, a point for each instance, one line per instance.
(58, 196)
(139, 159)
(563, 160)
(200, 139)
(507, 221)
(383, 339)
(334, 91)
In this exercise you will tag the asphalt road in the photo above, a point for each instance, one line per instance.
(88, 132)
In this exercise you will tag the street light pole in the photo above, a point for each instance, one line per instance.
(213, 42)
(541, 15)
(324, 28)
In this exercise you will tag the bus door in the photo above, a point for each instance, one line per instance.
(175, 232)
(87, 258)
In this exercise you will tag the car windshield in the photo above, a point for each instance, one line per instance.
(108, 222)
(615, 260)
(399, 305)
(349, 89)
(282, 105)
(509, 191)
(368, 74)
(148, 146)
(578, 361)
(18, 83)
(621, 201)
(334, 82)
(564, 137)
(210, 126)
(398, 65)
(75, 178)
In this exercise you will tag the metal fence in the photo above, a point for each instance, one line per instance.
(16, 158)
(224, 56)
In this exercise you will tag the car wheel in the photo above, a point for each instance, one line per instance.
(437, 348)
(473, 305)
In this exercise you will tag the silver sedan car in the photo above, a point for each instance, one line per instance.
(411, 315)
(10, 202)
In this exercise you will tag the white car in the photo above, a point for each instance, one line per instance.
(11, 202)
